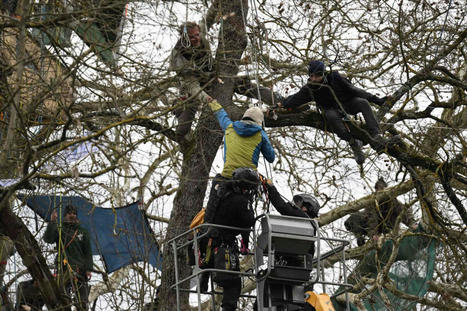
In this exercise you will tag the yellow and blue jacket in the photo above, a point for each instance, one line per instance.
(243, 142)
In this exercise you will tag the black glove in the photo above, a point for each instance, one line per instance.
(377, 100)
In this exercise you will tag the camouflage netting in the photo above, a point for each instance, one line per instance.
(411, 271)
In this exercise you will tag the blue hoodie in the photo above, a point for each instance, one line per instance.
(243, 142)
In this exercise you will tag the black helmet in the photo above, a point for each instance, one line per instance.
(245, 178)
(310, 203)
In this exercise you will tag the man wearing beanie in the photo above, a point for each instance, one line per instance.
(337, 97)
(74, 259)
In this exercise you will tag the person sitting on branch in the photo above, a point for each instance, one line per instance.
(336, 97)
(379, 219)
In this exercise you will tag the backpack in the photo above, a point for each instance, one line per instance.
(320, 302)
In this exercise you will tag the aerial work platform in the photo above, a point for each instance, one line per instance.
(287, 262)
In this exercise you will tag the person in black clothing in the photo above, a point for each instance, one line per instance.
(234, 210)
(28, 296)
(304, 205)
(337, 97)
(380, 219)
(74, 260)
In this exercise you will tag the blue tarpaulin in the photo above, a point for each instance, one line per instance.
(121, 236)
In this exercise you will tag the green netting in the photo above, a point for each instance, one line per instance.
(411, 271)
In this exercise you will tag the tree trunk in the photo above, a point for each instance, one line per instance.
(31, 254)
(198, 157)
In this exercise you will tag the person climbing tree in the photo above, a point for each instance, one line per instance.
(379, 219)
(74, 259)
(235, 210)
(243, 142)
(336, 97)
(192, 61)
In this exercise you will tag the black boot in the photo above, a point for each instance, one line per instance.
(380, 141)
(356, 146)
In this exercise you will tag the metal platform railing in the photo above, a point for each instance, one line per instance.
(279, 235)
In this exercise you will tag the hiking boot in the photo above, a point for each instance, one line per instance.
(381, 141)
(356, 146)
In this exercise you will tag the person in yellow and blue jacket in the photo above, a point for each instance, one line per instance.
(244, 141)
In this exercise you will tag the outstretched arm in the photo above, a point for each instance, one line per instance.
(358, 92)
(222, 117)
(188, 76)
(244, 86)
(305, 95)
(283, 207)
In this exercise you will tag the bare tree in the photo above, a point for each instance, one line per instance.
(115, 92)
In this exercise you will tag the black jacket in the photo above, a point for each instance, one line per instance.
(287, 209)
(382, 218)
(283, 207)
(325, 93)
(234, 211)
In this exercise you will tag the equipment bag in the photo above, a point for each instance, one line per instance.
(198, 219)
(226, 258)
(321, 302)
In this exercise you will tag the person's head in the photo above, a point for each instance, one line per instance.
(316, 71)
(193, 31)
(380, 184)
(307, 203)
(245, 180)
(71, 213)
(254, 114)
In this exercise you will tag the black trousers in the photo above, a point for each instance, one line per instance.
(186, 116)
(215, 195)
(356, 105)
(232, 290)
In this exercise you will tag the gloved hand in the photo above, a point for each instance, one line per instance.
(377, 100)
(214, 105)
(244, 249)
(265, 180)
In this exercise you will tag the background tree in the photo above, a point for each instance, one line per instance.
(117, 96)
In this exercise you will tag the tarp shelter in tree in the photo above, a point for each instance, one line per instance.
(121, 236)
(412, 269)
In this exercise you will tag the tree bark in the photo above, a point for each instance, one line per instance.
(199, 154)
(31, 254)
